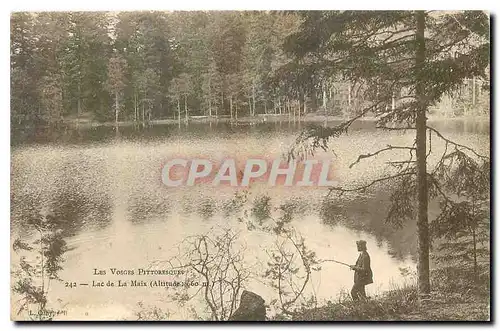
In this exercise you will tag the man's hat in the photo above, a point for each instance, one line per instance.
(361, 243)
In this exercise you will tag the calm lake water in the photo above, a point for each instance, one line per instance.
(118, 214)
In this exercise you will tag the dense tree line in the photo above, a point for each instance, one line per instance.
(154, 65)
(146, 65)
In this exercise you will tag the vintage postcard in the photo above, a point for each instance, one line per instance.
(250, 166)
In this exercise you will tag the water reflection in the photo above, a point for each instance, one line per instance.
(104, 183)
(107, 133)
(64, 185)
(206, 208)
(368, 214)
(142, 207)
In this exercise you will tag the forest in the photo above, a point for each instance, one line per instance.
(144, 66)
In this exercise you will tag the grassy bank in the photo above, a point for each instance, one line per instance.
(400, 305)
(448, 302)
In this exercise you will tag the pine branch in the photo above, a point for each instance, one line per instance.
(364, 187)
(437, 186)
(388, 148)
(396, 129)
(457, 144)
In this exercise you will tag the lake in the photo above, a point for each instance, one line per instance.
(107, 185)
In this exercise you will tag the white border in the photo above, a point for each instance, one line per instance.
(116, 5)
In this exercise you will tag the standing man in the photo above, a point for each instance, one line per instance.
(362, 272)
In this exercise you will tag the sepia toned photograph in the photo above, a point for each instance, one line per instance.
(262, 166)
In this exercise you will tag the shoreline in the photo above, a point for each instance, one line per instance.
(259, 119)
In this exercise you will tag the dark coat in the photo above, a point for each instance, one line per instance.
(363, 274)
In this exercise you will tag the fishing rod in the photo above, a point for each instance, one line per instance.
(331, 260)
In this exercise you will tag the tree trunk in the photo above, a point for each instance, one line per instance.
(253, 99)
(135, 106)
(332, 97)
(179, 110)
(314, 101)
(186, 106)
(476, 275)
(474, 243)
(305, 104)
(289, 115)
(473, 90)
(421, 128)
(79, 110)
(143, 110)
(231, 106)
(117, 107)
(300, 109)
(222, 101)
(323, 89)
(209, 98)
(349, 94)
